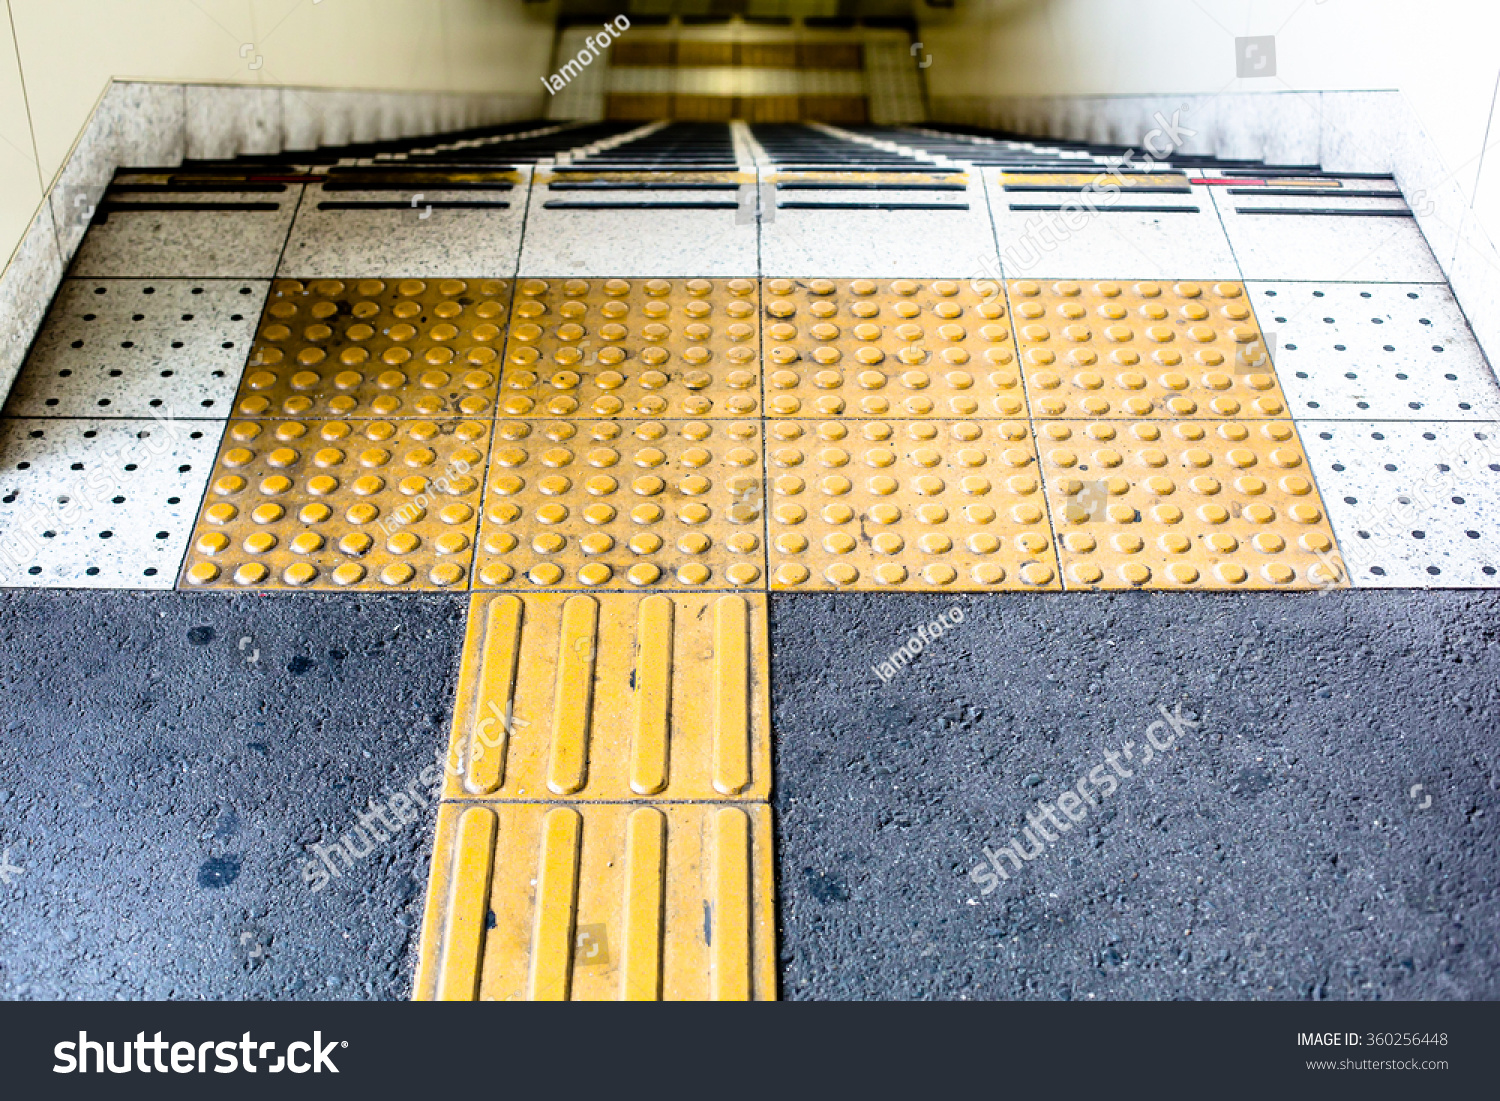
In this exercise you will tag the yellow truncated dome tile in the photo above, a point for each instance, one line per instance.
(1142, 349)
(889, 348)
(633, 348)
(912, 505)
(367, 505)
(595, 504)
(600, 902)
(377, 348)
(1186, 505)
(613, 696)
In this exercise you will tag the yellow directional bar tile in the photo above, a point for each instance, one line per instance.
(615, 696)
(623, 505)
(371, 505)
(918, 505)
(600, 902)
(633, 348)
(377, 348)
(1108, 349)
(899, 348)
(1186, 505)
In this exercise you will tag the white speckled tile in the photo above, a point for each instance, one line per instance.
(1112, 243)
(1326, 247)
(99, 504)
(1376, 351)
(411, 243)
(637, 244)
(881, 244)
(126, 347)
(205, 244)
(1413, 505)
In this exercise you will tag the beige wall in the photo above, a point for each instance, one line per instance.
(69, 50)
(1442, 55)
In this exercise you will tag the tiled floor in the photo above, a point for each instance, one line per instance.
(681, 390)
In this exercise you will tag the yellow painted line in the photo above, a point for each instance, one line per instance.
(622, 505)
(907, 505)
(613, 696)
(1143, 349)
(368, 505)
(604, 901)
(889, 348)
(377, 348)
(1101, 178)
(1186, 505)
(633, 348)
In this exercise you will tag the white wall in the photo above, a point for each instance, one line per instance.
(69, 49)
(1442, 55)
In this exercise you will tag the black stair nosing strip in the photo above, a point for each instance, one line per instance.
(1311, 174)
(576, 167)
(1103, 208)
(801, 205)
(339, 188)
(638, 204)
(108, 208)
(1314, 193)
(904, 168)
(193, 188)
(1124, 190)
(1312, 212)
(641, 185)
(805, 185)
(396, 168)
(436, 204)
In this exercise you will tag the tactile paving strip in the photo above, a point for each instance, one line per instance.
(1415, 504)
(99, 504)
(918, 505)
(1143, 349)
(370, 505)
(377, 348)
(633, 348)
(623, 505)
(1186, 504)
(1376, 352)
(613, 697)
(134, 347)
(898, 348)
(600, 902)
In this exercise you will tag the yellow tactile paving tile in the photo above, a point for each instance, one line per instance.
(633, 348)
(917, 505)
(600, 902)
(623, 505)
(1142, 349)
(369, 505)
(613, 696)
(377, 348)
(897, 348)
(1186, 505)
